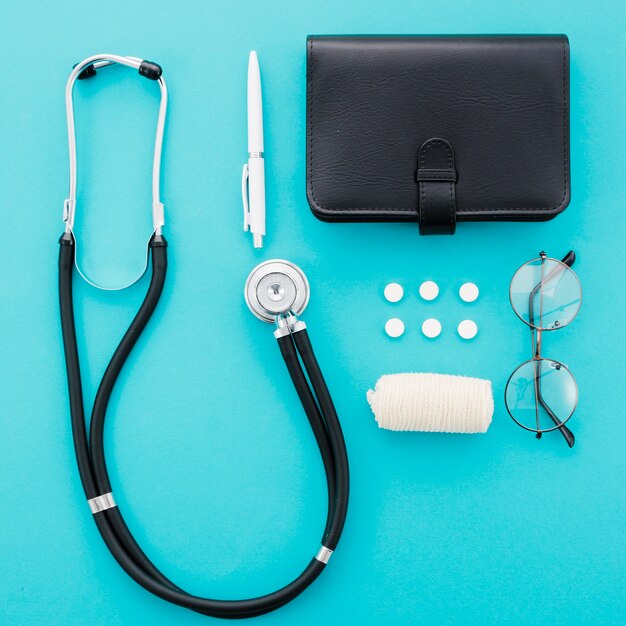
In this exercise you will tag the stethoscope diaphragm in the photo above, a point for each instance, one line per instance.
(275, 288)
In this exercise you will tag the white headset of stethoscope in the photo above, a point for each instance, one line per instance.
(69, 206)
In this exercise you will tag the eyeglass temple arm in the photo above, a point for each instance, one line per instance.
(568, 260)
(568, 435)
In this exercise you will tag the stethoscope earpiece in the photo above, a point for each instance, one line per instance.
(82, 71)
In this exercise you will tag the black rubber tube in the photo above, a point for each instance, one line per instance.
(85, 464)
(311, 408)
(72, 365)
(305, 349)
(92, 462)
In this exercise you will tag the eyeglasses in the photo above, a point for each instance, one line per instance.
(541, 394)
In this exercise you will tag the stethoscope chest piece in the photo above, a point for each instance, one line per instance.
(276, 287)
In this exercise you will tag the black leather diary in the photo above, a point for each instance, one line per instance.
(438, 129)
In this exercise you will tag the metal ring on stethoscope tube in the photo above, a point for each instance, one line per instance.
(276, 287)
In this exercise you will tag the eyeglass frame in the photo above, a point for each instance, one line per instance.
(536, 338)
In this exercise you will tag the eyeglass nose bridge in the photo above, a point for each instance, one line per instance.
(536, 342)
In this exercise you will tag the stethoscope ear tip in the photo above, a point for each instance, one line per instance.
(150, 70)
(276, 287)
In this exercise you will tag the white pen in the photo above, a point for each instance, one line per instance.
(253, 179)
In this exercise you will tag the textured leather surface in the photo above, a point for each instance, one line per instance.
(502, 102)
(436, 177)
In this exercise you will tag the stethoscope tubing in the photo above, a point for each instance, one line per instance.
(325, 420)
(297, 352)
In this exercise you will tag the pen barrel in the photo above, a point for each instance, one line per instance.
(256, 194)
(255, 106)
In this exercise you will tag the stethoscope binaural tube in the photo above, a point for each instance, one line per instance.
(87, 69)
(297, 352)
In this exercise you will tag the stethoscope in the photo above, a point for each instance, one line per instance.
(276, 291)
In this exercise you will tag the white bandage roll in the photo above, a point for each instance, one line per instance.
(432, 403)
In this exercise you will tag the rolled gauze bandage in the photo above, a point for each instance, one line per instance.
(432, 403)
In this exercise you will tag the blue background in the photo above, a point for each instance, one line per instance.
(212, 459)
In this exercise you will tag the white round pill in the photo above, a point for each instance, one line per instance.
(394, 292)
(429, 290)
(468, 292)
(467, 329)
(394, 327)
(431, 328)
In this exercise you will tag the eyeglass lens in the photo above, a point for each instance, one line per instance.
(545, 294)
(541, 395)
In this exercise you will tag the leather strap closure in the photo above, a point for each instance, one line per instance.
(436, 178)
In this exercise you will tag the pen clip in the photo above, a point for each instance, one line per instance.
(244, 198)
